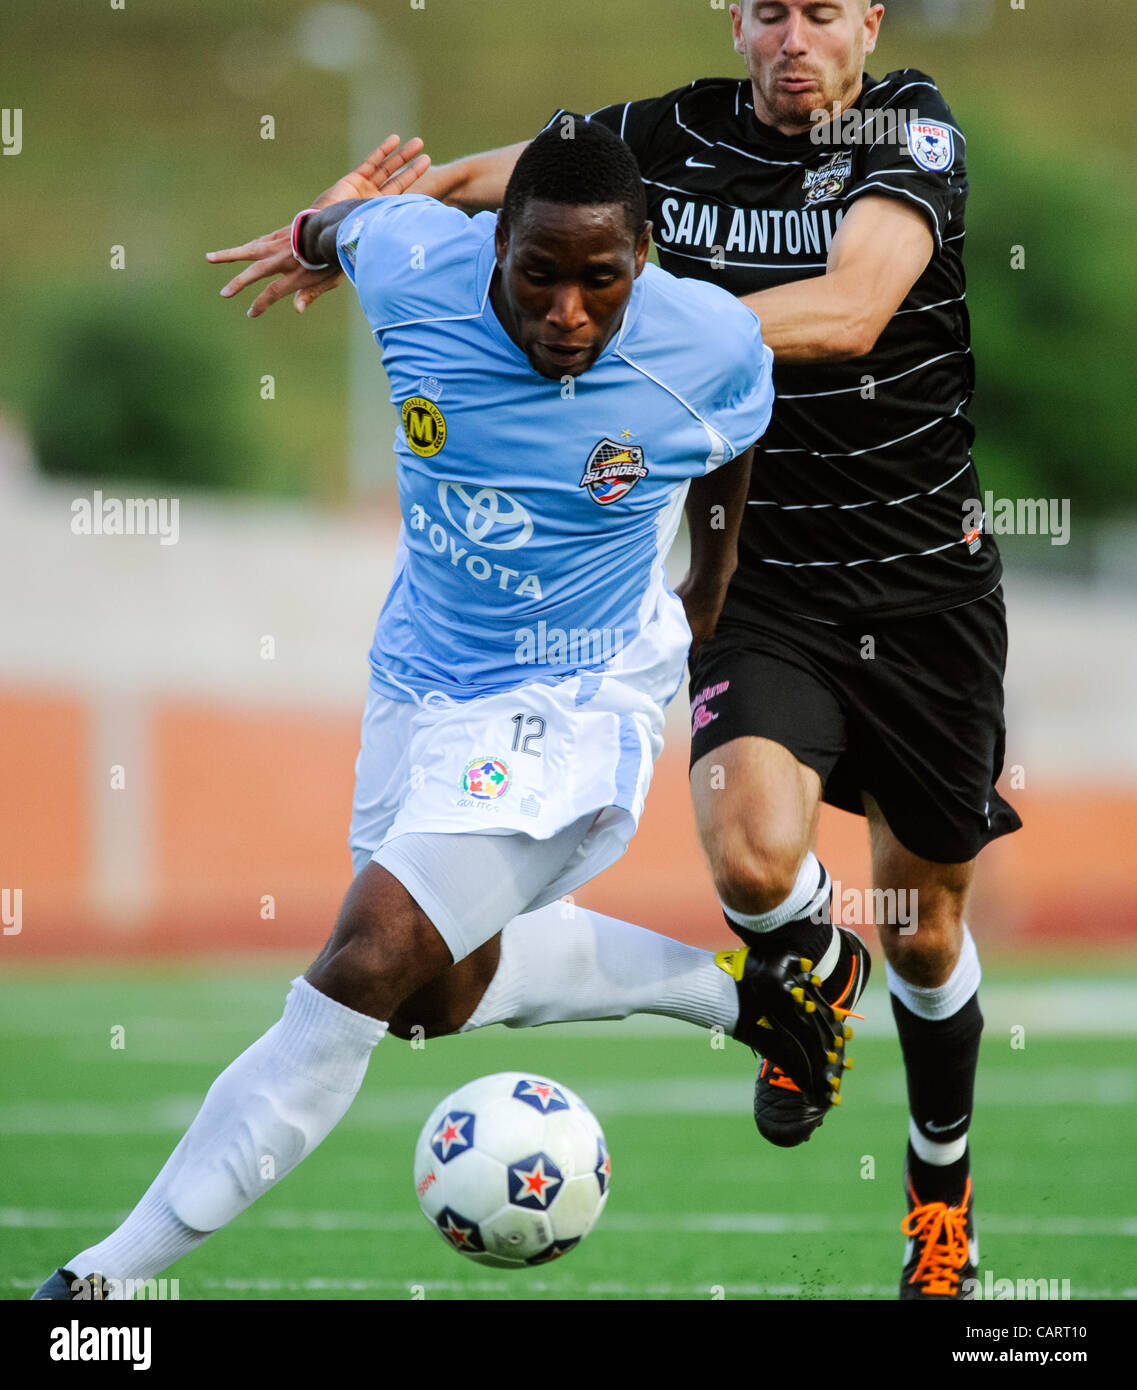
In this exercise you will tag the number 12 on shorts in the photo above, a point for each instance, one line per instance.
(521, 743)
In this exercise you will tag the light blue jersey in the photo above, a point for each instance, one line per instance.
(536, 512)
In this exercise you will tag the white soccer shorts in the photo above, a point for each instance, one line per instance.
(505, 803)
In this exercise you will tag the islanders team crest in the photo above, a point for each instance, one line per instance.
(612, 471)
(486, 779)
(931, 146)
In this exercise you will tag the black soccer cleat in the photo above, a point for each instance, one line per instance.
(783, 1015)
(941, 1258)
(781, 1111)
(64, 1287)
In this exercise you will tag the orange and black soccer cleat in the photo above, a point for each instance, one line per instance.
(784, 1015)
(781, 1111)
(942, 1254)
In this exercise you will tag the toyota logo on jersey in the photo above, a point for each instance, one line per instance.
(612, 471)
(486, 515)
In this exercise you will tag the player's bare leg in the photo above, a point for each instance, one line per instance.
(446, 1003)
(933, 976)
(757, 809)
(567, 964)
(382, 949)
(283, 1096)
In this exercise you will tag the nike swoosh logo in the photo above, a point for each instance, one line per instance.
(693, 163)
(943, 1129)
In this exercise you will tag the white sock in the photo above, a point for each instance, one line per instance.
(808, 896)
(564, 963)
(941, 1001)
(264, 1113)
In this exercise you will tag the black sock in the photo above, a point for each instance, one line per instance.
(939, 1184)
(804, 936)
(801, 936)
(940, 1058)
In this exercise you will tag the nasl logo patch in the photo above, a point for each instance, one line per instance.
(612, 471)
(486, 779)
(931, 146)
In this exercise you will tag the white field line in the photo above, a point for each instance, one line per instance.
(694, 1223)
(1081, 1008)
(725, 1095)
(411, 1289)
(1047, 1008)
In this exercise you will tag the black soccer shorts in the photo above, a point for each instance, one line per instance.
(909, 710)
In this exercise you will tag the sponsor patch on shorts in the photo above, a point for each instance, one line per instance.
(701, 716)
(486, 779)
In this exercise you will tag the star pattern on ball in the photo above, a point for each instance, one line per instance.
(555, 1251)
(541, 1095)
(462, 1234)
(603, 1168)
(534, 1181)
(453, 1136)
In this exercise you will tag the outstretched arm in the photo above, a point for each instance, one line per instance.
(386, 171)
(474, 184)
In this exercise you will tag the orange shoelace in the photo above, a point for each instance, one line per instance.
(942, 1233)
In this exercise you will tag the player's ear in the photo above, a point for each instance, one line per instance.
(736, 26)
(643, 246)
(501, 240)
(873, 15)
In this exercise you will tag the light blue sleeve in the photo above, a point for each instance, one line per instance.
(395, 252)
(739, 403)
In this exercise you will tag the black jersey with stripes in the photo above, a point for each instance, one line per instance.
(861, 484)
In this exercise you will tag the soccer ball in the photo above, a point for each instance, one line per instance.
(512, 1169)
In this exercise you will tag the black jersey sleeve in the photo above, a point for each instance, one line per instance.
(913, 150)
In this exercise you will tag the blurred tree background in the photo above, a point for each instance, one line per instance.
(142, 128)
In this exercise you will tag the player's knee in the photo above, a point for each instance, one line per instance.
(756, 880)
(447, 1002)
(925, 956)
(373, 964)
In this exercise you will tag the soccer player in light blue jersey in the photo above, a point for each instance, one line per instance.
(559, 399)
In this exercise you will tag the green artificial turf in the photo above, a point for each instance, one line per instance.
(699, 1208)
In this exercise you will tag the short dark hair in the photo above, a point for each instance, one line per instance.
(581, 163)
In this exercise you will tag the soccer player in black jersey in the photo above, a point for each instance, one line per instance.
(860, 651)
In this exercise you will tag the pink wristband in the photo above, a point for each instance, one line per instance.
(296, 221)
